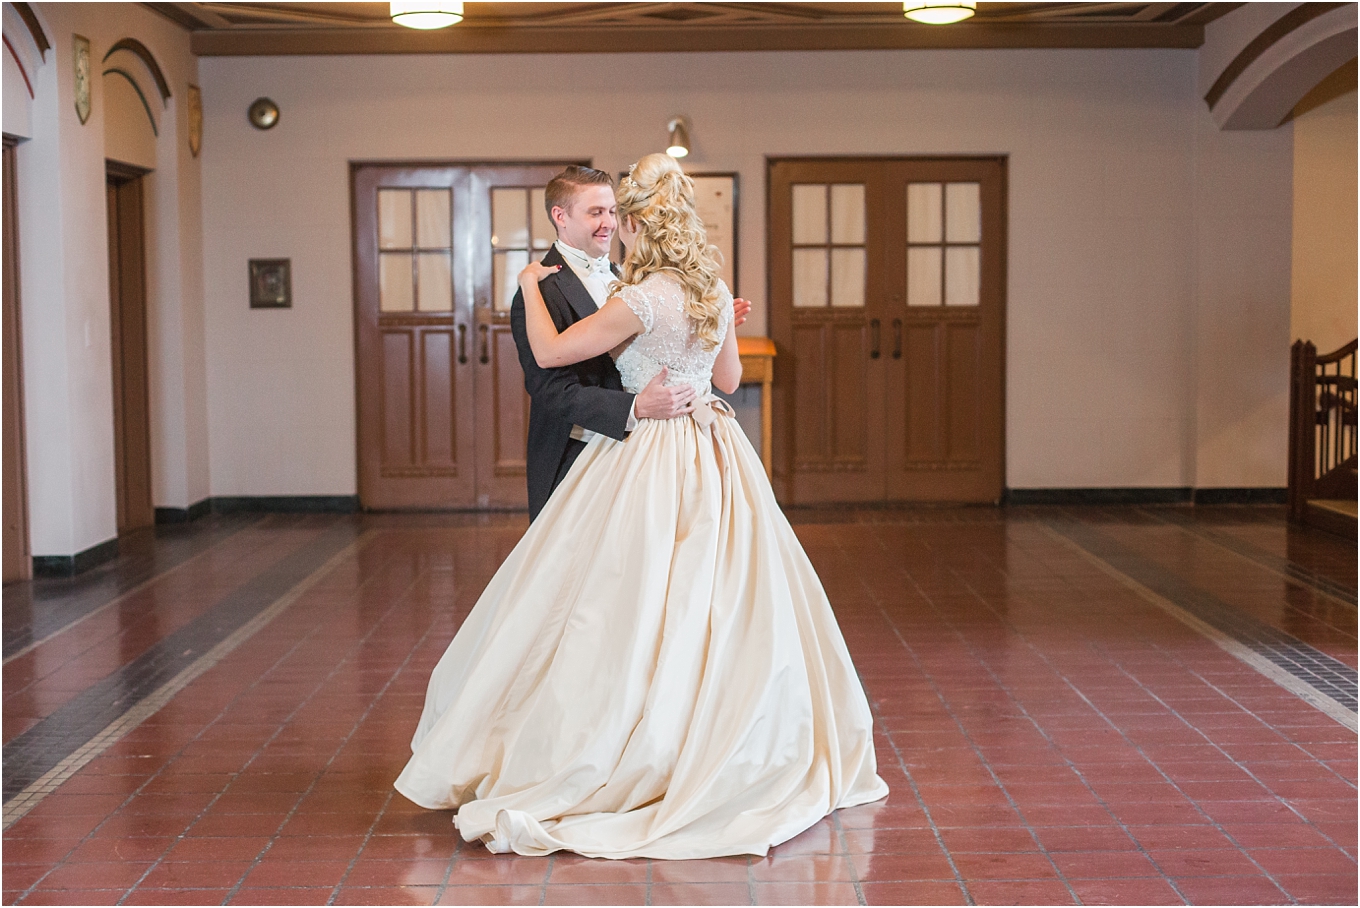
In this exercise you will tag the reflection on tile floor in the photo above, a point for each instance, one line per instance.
(1049, 734)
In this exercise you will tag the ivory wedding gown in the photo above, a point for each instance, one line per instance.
(655, 670)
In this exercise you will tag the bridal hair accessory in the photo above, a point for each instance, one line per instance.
(676, 177)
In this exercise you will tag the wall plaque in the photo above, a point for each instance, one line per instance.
(195, 99)
(271, 284)
(82, 65)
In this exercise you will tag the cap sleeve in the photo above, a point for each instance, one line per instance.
(727, 312)
(638, 301)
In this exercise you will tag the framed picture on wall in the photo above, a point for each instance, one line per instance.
(271, 284)
(715, 198)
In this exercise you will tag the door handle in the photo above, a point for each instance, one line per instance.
(897, 338)
(874, 338)
(484, 358)
(462, 345)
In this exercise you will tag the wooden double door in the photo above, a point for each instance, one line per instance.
(887, 284)
(442, 411)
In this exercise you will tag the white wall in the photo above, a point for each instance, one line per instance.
(18, 106)
(1243, 197)
(1131, 223)
(65, 287)
(1324, 273)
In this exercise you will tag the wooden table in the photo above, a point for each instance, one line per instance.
(757, 365)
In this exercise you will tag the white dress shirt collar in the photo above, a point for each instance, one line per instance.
(579, 261)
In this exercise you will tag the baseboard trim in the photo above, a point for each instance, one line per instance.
(1169, 495)
(184, 515)
(70, 565)
(1262, 495)
(1153, 495)
(286, 504)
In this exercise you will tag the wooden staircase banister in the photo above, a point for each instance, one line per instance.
(1342, 382)
(1337, 355)
(1322, 427)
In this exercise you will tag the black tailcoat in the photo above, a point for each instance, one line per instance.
(587, 394)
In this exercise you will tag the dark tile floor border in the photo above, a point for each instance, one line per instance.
(1257, 554)
(45, 606)
(39, 749)
(1328, 676)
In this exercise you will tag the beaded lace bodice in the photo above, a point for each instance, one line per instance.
(668, 338)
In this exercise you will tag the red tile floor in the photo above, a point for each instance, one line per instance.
(1075, 706)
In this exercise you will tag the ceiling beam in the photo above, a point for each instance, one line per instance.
(463, 39)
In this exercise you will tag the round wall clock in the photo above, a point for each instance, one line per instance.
(263, 114)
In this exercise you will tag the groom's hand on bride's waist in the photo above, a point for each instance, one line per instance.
(656, 401)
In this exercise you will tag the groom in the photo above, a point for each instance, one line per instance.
(569, 405)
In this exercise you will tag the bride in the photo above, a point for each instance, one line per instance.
(655, 670)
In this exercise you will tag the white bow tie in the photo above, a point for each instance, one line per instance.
(596, 266)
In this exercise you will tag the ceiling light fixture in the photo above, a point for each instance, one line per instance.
(677, 146)
(426, 15)
(939, 13)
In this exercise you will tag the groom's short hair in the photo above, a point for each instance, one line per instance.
(566, 184)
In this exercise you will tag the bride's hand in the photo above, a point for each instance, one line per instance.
(537, 271)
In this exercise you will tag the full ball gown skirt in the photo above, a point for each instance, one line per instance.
(655, 670)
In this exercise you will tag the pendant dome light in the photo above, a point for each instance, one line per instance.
(426, 15)
(945, 12)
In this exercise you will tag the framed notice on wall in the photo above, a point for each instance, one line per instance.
(715, 199)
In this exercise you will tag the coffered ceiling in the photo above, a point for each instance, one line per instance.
(358, 28)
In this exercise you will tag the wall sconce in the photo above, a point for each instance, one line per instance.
(426, 15)
(677, 146)
(939, 13)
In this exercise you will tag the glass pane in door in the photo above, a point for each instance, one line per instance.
(963, 213)
(505, 270)
(434, 218)
(809, 214)
(394, 219)
(924, 213)
(847, 213)
(544, 233)
(509, 219)
(962, 275)
(435, 278)
(923, 276)
(396, 287)
(809, 278)
(847, 278)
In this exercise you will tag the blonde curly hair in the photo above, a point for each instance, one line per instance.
(671, 239)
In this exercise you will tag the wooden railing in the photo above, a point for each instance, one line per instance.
(1322, 425)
